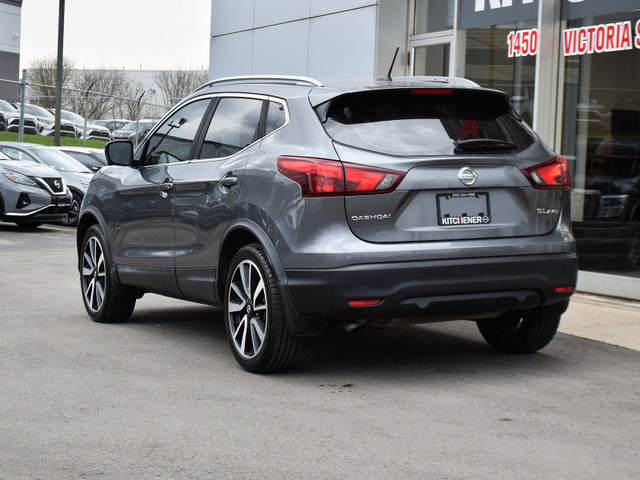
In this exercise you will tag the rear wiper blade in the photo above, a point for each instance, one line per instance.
(479, 143)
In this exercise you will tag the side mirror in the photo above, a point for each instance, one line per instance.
(119, 152)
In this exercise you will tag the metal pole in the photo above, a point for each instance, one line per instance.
(56, 138)
(86, 98)
(135, 140)
(23, 87)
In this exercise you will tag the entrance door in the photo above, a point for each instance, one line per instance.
(432, 60)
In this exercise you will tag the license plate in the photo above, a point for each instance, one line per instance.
(465, 208)
(61, 202)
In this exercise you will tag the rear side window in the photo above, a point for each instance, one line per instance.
(233, 127)
(422, 121)
(275, 117)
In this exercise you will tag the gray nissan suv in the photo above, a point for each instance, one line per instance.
(299, 206)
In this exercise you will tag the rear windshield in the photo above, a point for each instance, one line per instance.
(423, 121)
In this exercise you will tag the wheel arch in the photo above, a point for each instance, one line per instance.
(240, 233)
(85, 222)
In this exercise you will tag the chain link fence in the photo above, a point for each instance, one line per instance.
(129, 108)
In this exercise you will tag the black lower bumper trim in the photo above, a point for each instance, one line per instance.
(440, 289)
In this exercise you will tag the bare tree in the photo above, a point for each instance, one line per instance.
(43, 71)
(132, 108)
(174, 85)
(110, 82)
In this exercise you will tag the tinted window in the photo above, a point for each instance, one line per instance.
(61, 161)
(86, 159)
(4, 105)
(234, 126)
(173, 140)
(275, 117)
(422, 122)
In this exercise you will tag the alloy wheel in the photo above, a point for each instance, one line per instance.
(248, 312)
(71, 216)
(93, 274)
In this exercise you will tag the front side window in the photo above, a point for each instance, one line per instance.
(172, 142)
(234, 126)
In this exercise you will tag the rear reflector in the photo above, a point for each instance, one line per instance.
(364, 303)
(566, 289)
(553, 174)
(319, 177)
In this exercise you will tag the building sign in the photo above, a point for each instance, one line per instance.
(484, 13)
(572, 9)
(610, 37)
(607, 37)
(522, 43)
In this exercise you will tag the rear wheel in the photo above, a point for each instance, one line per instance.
(516, 333)
(100, 297)
(254, 317)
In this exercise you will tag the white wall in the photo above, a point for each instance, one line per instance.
(9, 28)
(325, 39)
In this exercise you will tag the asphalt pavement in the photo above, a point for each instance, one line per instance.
(162, 397)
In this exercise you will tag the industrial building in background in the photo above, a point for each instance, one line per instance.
(571, 68)
(10, 47)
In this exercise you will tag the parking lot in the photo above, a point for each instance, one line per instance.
(162, 397)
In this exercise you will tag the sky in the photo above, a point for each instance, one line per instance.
(130, 34)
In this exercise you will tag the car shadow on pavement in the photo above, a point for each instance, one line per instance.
(440, 351)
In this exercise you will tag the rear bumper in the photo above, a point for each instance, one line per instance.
(430, 290)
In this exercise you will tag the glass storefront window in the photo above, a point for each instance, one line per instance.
(488, 63)
(601, 134)
(433, 16)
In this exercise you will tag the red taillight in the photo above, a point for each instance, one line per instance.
(567, 289)
(319, 177)
(431, 91)
(553, 174)
(316, 176)
(364, 303)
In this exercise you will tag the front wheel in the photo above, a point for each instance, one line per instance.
(254, 316)
(71, 217)
(100, 297)
(516, 333)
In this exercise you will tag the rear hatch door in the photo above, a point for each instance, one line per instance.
(465, 156)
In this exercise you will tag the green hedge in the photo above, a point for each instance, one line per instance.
(48, 140)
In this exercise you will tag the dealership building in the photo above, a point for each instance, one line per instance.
(571, 68)
(10, 11)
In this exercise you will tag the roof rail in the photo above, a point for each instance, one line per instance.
(278, 79)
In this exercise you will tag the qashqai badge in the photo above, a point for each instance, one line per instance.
(467, 176)
(57, 184)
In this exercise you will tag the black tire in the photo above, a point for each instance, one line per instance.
(99, 294)
(516, 333)
(252, 311)
(71, 218)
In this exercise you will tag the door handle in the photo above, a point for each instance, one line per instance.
(228, 181)
(165, 187)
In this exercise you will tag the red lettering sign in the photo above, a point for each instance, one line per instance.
(521, 43)
(610, 37)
